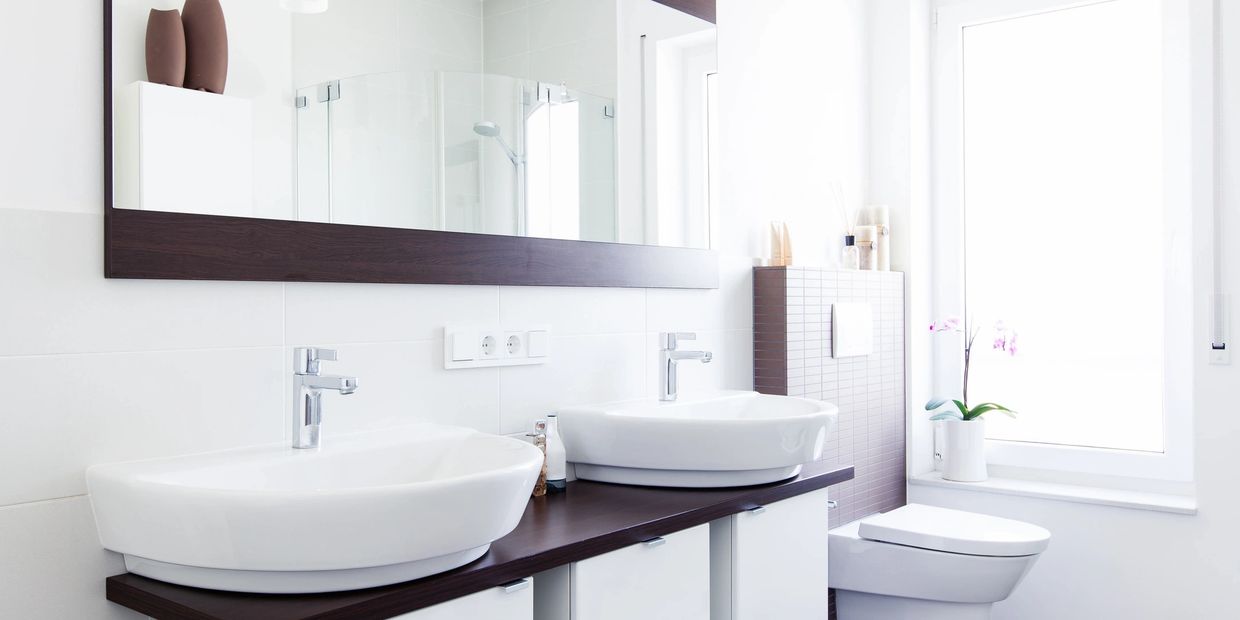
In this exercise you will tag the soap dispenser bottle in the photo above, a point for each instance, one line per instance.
(557, 462)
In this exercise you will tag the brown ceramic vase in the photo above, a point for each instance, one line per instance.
(206, 45)
(165, 48)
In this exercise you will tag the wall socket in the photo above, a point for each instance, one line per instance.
(482, 347)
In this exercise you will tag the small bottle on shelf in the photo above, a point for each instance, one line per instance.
(850, 259)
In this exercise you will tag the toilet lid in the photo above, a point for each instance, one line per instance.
(954, 531)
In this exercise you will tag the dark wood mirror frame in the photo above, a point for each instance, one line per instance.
(186, 246)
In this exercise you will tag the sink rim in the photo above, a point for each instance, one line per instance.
(653, 407)
(333, 447)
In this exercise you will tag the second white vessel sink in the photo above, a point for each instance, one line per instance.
(716, 439)
(364, 510)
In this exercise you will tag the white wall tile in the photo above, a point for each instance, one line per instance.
(581, 370)
(442, 30)
(57, 300)
(468, 7)
(53, 130)
(62, 413)
(51, 564)
(405, 382)
(495, 7)
(574, 311)
(338, 313)
(505, 34)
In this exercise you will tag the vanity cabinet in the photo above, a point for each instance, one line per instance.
(719, 559)
(514, 601)
(667, 578)
(771, 561)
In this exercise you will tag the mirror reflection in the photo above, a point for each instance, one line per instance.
(571, 119)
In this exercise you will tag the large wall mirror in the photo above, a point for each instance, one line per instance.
(421, 140)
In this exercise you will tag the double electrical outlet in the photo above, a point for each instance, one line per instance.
(475, 347)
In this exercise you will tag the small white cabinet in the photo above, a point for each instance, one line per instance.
(667, 578)
(513, 601)
(771, 562)
(184, 151)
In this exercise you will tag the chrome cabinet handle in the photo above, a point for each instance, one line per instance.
(757, 510)
(657, 541)
(515, 586)
(832, 504)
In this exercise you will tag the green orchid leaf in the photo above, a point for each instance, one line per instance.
(996, 406)
(964, 411)
(946, 415)
(935, 403)
(984, 408)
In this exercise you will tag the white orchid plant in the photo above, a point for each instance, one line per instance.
(1004, 340)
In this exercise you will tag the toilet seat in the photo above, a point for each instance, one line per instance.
(954, 531)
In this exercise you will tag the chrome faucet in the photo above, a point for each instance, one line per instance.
(669, 356)
(308, 386)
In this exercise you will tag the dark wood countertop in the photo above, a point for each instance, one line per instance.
(590, 519)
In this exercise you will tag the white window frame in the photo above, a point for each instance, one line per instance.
(1189, 168)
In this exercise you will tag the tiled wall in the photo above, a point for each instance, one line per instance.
(792, 355)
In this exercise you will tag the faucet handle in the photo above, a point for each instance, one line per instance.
(669, 340)
(306, 359)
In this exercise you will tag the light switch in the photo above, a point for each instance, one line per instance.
(852, 329)
(463, 346)
(539, 344)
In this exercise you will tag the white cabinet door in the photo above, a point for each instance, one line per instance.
(664, 579)
(771, 562)
(514, 601)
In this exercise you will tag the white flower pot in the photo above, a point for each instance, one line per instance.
(964, 454)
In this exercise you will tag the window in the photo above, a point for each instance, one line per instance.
(1062, 203)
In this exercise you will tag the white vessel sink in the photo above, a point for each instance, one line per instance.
(717, 439)
(364, 510)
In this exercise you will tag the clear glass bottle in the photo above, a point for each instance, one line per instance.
(850, 259)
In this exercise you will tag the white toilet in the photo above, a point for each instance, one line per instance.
(928, 563)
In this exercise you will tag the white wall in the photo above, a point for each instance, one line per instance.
(793, 92)
(101, 370)
(899, 155)
(1124, 563)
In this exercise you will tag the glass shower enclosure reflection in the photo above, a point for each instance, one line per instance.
(458, 151)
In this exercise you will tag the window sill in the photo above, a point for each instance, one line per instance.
(1136, 500)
